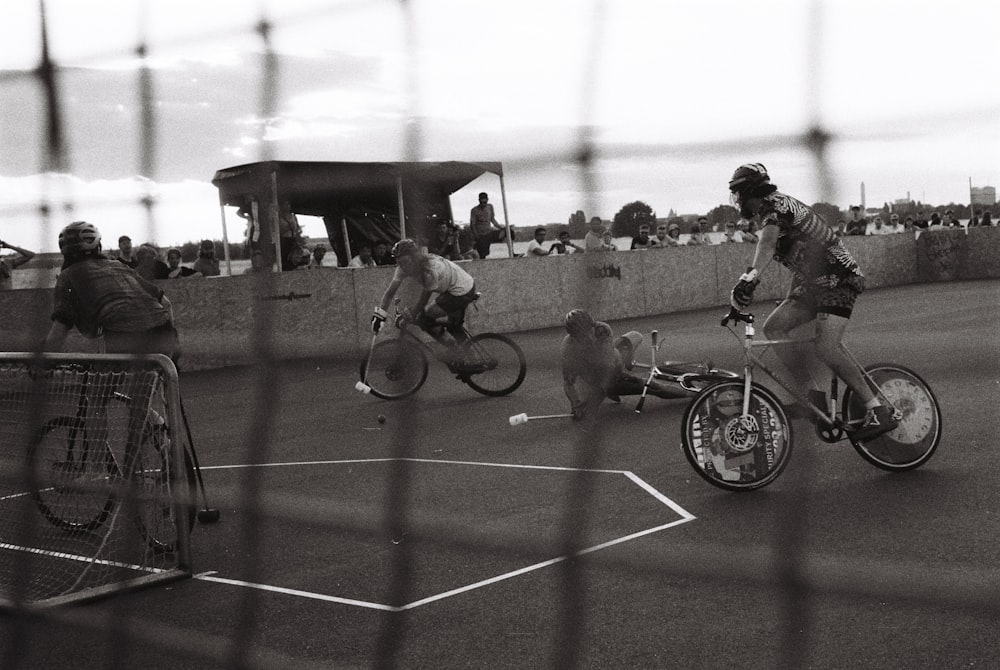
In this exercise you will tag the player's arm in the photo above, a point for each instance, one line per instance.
(766, 243)
(56, 337)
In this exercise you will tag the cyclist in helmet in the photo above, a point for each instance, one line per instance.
(104, 298)
(826, 281)
(593, 365)
(455, 289)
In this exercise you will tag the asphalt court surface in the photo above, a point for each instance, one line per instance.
(475, 513)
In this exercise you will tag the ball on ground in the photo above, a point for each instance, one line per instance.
(381, 418)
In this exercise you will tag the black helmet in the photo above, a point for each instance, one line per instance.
(578, 322)
(749, 175)
(79, 238)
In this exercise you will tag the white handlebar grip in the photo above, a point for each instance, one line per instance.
(363, 387)
(655, 335)
(518, 419)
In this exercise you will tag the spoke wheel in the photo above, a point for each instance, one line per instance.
(71, 478)
(397, 369)
(496, 365)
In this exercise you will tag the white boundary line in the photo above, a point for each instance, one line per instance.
(680, 511)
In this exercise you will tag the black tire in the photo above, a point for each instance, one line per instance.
(397, 369)
(721, 449)
(156, 488)
(503, 361)
(71, 479)
(916, 439)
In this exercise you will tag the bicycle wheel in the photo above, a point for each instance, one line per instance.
(494, 365)
(733, 451)
(156, 489)
(71, 479)
(914, 441)
(397, 369)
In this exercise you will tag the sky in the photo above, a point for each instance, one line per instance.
(672, 94)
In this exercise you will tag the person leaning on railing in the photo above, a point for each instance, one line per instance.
(8, 264)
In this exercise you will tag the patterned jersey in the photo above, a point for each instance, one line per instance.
(806, 244)
(99, 294)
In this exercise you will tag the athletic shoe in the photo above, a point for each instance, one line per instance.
(878, 420)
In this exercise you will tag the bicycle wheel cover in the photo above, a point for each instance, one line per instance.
(915, 440)
(731, 451)
(71, 479)
(397, 369)
(499, 364)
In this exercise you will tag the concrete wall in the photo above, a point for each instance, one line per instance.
(327, 312)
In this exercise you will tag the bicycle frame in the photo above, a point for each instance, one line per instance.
(833, 415)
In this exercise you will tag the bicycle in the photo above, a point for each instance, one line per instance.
(676, 379)
(76, 478)
(489, 363)
(737, 435)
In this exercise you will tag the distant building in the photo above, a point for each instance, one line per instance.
(983, 195)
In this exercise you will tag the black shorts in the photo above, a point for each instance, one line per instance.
(454, 305)
(828, 295)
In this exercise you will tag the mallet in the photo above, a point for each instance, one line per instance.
(518, 419)
(361, 385)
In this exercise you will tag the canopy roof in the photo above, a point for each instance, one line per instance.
(319, 188)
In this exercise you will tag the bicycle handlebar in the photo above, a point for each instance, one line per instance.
(736, 316)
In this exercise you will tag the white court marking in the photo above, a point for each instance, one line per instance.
(680, 511)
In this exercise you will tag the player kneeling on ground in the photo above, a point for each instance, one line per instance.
(594, 366)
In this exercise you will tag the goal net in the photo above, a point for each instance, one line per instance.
(94, 484)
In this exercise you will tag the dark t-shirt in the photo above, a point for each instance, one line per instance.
(99, 293)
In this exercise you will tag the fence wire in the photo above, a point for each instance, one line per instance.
(796, 575)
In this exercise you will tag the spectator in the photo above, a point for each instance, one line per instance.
(8, 264)
(484, 225)
(731, 234)
(438, 243)
(642, 240)
(921, 221)
(364, 258)
(935, 221)
(174, 268)
(974, 221)
(607, 242)
(841, 228)
(595, 236)
(290, 235)
(207, 264)
(949, 219)
(125, 254)
(381, 254)
(987, 219)
(894, 225)
(699, 233)
(660, 239)
(877, 227)
(535, 245)
(564, 245)
(456, 251)
(318, 254)
(149, 266)
(908, 224)
(748, 229)
(257, 264)
(857, 224)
